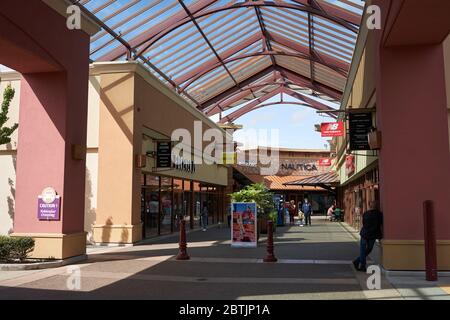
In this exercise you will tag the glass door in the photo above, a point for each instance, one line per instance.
(150, 206)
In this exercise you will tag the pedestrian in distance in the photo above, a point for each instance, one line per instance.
(204, 216)
(307, 210)
(292, 212)
(330, 212)
(371, 230)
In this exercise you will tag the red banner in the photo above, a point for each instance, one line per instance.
(332, 129)
(325, 162)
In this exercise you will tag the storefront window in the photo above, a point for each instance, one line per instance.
(177, 203)
(150, 205)
(166, 205)
(197, 205)
(166, 200)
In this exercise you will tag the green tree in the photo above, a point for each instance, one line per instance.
(256, 193)
(263, 198)
(6, 132)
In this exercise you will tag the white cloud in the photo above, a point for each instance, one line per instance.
(299, 116)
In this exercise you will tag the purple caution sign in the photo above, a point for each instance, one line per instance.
(48, 210)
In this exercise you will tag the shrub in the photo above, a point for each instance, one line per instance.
(17, 248)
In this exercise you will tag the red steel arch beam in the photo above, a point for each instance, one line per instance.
(249, 4)
(306, 82)
(224, 55)
(304, 104)
(201, 71)
(231, 91)
(311, 102)
(246, 91)
(198, 11)
(257, 104)
(161, 27)
(248, 107)
(322, 57)
(233, 94)
(333, 10)
(212, 110)
(288, 74)
(229, 118)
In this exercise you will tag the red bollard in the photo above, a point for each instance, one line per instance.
(430, 241)
(182, 254)
(270, 255)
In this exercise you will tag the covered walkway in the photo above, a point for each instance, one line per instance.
(314, 263)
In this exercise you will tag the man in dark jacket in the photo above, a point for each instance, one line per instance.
(371, 231)
(307, 210)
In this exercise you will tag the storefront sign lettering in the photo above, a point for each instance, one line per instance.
(183, 165)
(299, 166)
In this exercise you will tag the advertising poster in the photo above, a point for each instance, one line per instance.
(244, 227)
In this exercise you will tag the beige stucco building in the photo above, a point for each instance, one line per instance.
(129, 111)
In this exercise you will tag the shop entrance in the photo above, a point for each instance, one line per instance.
(165, 201)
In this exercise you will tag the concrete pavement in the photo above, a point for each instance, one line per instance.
(314, 263)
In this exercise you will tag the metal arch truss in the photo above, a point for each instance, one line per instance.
(199, 10)
(259, 103)
(300, 44)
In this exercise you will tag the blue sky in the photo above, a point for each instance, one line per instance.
(295, 124)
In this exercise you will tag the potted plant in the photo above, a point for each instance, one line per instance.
(259, 194)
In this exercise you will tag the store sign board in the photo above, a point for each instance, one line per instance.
(244, 226)
(360, 124)
(332, 129)
(325, 162)
(49, 204)
(163, 154)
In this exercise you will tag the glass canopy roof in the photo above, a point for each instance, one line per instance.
(219, 54)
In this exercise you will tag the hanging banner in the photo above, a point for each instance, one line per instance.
(244, 227)
(332, 129)
(325, 162)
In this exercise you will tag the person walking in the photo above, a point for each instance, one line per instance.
(307, 211)
(292, 212)
(371, 230)
(204, 216)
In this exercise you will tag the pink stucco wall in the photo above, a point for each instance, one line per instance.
(412, 116)
(53, 112)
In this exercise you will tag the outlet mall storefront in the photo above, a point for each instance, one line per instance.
(127, 198)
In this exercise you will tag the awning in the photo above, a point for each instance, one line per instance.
(325, 180)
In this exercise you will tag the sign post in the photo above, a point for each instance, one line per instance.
(244, 224)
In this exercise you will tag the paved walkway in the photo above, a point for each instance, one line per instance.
(314, 263)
